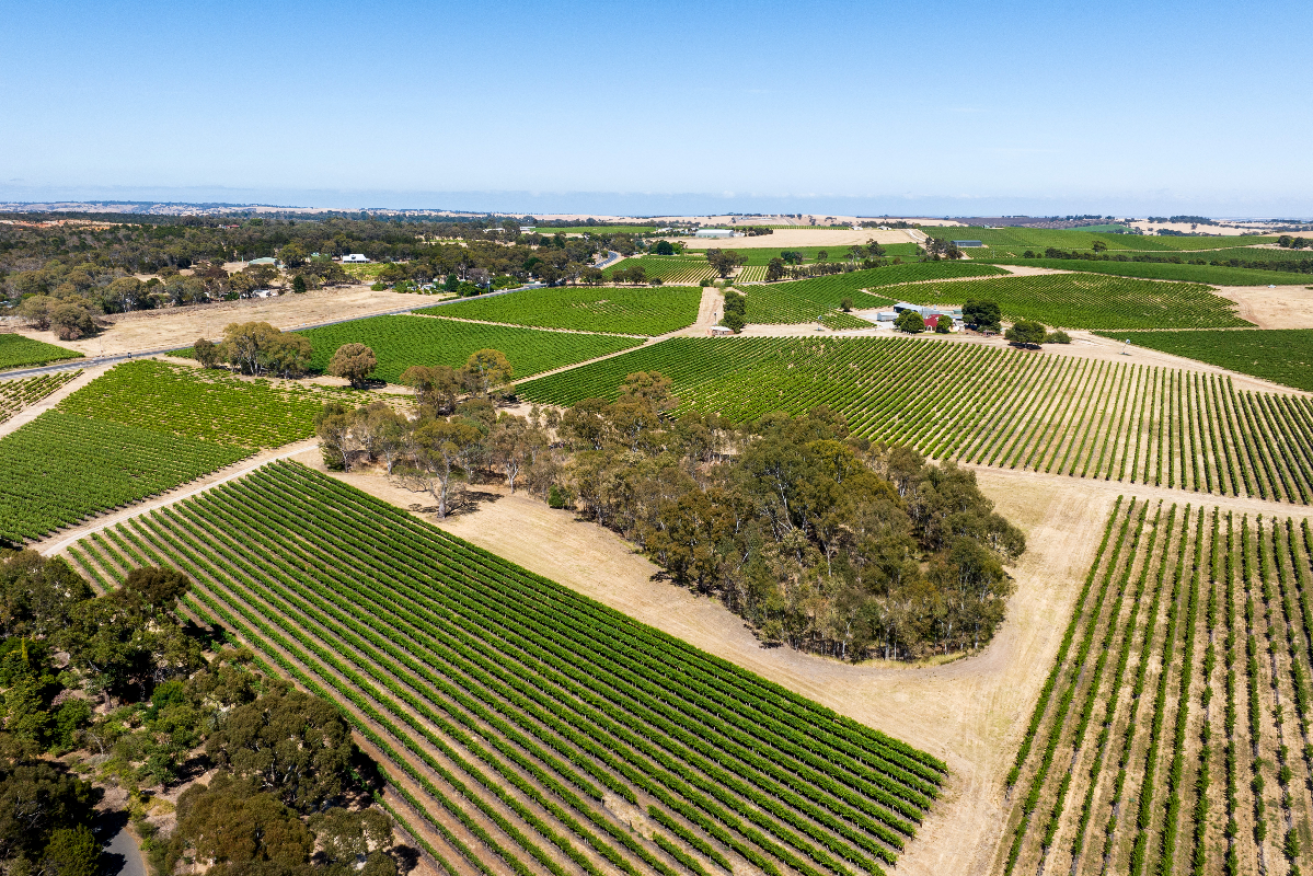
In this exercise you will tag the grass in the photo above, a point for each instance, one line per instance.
(1003, 242)
(401, 341)
(1113, 420)
(1210, 274)
(1088, 301)
(800, 301)
(514, 706)
(633, 311)
(1283, 356)
(17, 351)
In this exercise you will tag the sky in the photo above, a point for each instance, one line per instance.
(870, 108)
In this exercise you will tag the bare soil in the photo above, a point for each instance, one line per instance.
(181, 326)
(1278, 307)
(783, 239)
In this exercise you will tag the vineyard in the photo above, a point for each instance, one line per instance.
(142, 428)
(18, 394)
(1089, 301)
(637, 311)
(402, 341)
(1007, 408)
(762, 255)
(60, 468)
(1281, 355)
(676, 270)
(1015, 241)
(17, 351)
(1172, 734)
(803, 300)
(526, 726)
(1210, 274)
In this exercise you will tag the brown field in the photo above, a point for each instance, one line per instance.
(785, 238)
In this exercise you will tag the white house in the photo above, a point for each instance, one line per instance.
(717, 233)
(354, 258)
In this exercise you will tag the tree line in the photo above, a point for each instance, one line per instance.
(123, 685)
(820, 540)
(1256, 261)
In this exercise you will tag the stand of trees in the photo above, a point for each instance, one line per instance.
(259, 348)
(819, 540)
(142, 699)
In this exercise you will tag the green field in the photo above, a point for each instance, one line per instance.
(799, 301)
(1088, 301)
(1015, 241)
(61, 468)
(676, 270)
(207, 405)
(18, 394)
(17, 351)
(1281, 355)
(402, 341)
(142, 428)
(1210, 274)
(636, 311)
(511, 707)
(763, 255)
(1017, 409)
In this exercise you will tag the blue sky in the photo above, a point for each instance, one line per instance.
(945, 107)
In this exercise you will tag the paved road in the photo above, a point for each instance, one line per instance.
(122, 855)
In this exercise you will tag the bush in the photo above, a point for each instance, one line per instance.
(846, 305)
(556, 498)
(1057, 337)
(910, 321)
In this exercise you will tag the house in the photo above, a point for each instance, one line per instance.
(714, 233)
(264, 293)
(354, 258)
(926, 312)
(966, 244)
(720, 331)
(527, 229)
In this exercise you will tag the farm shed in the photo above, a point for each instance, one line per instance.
(355, 258)
(717, 233)
(264, 261)
(927, 312)
(963, 244)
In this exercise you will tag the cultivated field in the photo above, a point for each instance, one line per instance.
(1282, 356)
(15, 395)
(671, 270)
(1212, 275)
(1015, 241)
(1171, 734)
(17, 351)
(510, 705)
(1089, 301)
(1015, 409)
(402, 341)
(640, 311)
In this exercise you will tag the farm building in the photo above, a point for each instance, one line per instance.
(264, 261)
(717, 233)
(965, 244)
(355, 258)
(927, 312)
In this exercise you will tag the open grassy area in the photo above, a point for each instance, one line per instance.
(530, 723)
(1088, 301)
(1210, 274)
(17, 351)
(402, 341)
(1281, 355)
(1011, 408)
(641, 310)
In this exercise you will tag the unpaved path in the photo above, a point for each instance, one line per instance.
(709, 312)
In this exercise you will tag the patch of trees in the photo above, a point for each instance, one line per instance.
(819, 540)
(940, 248)
(736, 311)
(982, 315)
(1285, 241)
(1028, 334)
(122, 685)
(724, 261)
(258, 348)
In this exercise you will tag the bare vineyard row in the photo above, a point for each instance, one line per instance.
(1173, 733)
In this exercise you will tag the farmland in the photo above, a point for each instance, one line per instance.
(762, 256)
(1210, 274)
(18, 394)
(1089, 301)
(402, 341)
(17, 351)
(1170, 733)
(800, 301)
(640, 311)
(1281, 355)
(142, 428)
(674, 270)
(1015, 241)
(516, 707)
(1007, 408)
